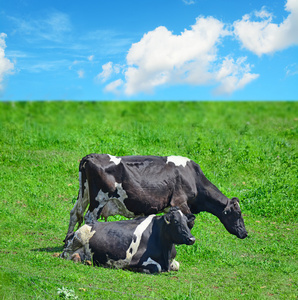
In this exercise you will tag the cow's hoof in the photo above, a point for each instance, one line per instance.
(76, 257)
(88, 263)
(174, 265)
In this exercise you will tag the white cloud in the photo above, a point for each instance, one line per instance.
(291, 70)
(81, 73)
(73, 64)
(113, 86)
(189, 2)
(6, 66)
(52, 27)
(233, 75)
(192, 57)
(91, 57)
(264, 36)
(107, 70)
(161, 57)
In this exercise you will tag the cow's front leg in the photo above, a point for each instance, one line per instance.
(174, 264)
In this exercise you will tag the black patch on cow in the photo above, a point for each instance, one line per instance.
(114, 194)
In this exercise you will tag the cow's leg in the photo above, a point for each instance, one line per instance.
(174, 264)
(77, 212)
(149, 267)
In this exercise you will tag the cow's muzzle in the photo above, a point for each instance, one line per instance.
(191, 241)
(242, 235)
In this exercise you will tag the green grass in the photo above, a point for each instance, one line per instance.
(248, 150)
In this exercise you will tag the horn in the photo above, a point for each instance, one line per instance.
(166, 220)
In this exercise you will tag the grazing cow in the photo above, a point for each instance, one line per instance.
(142, 185)
(144, 244)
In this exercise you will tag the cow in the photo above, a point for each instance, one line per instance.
(144, 244)
(142, 185)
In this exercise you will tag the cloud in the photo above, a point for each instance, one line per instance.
(6, 66)
(91, 57)
(107, 70)
(113, 86)
(81, 73)
(189, 2)
(264, 36)
(52, 27)
(291, 70)
(163, 58)
(233, 75)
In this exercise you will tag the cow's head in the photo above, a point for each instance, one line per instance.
(177, 226)
(232, 219)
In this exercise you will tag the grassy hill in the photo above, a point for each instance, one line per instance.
(247, 149)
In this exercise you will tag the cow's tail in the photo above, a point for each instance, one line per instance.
(77, 212)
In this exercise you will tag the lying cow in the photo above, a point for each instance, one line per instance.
(144, 244)
(142, 185)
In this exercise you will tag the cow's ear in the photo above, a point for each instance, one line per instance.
(190, 217)
(167, 219)
(235, 200)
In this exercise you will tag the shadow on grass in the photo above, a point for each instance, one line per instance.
(49, 249)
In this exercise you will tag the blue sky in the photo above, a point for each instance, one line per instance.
(148, 50)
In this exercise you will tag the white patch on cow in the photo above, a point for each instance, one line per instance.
(120, 191)
(84, 234)
(79, 241)
(150, 261)
(117, 264)
(174, 265)
(178, 160)
(134, 246)
(116, 206)
(115, 159)
(110, 206)
(102, 198)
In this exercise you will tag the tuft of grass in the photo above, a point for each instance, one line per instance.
(247, 149)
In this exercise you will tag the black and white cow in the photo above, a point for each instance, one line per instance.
(142, 185)
(144, 244)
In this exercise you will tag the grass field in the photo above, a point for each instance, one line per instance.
(248, 150)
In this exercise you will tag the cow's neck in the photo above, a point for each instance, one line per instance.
(210, 198)
(215, 207)
(165, 244)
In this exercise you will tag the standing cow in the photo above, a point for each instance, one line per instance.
(144, 244)
(142, 185)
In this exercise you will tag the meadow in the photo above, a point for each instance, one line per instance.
(247, 149)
